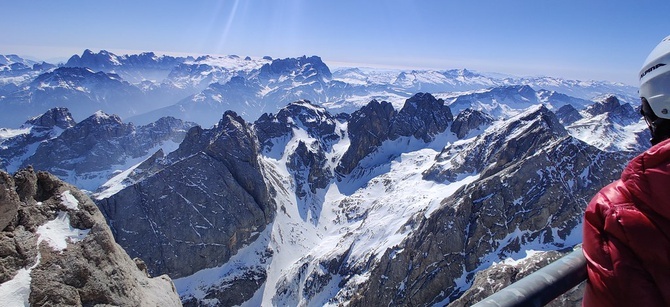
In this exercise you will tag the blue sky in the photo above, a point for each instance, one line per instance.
(586, 40)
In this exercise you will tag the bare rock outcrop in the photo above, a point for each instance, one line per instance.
(56, 249)
(199, 205)
(531, 191)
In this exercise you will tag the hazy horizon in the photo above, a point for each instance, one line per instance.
(596, 40)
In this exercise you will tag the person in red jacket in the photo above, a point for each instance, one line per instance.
(627, 224)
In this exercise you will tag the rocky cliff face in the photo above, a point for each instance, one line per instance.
(567, 114)
(534, 182)
(58, 250)
(206, 201)
(367, 129)
(56, 117)
(470, 120)
(422, 117)
(309, 162)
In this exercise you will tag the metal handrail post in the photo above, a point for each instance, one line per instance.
(542, 286)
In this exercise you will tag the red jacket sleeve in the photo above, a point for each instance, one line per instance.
(616, 275)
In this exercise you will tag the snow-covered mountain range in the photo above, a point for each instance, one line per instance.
(282, 182)
(144, 87)
(87, 153)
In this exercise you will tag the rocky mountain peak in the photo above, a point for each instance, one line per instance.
(318, 122)
(532, 176)
(144, 57)
(547, 118)
(469, 120)
(233, 140)
(304, 67)
(76, 59)
(524, 91)
(608, 104)
(9, 59)
(55, 117)
(61, 74)
(165, 125)
(422, 116)
(99, 126)
(152, 61)
(102, 60)
(466, 73)
(84, 152)
(367, 129)
(100, 117)
(212, 185)
(614, 111)
(195, 140)
(552, 95)
(510, 140)
(12, 65)
(567, 114)
(35, 131)
(315, 120)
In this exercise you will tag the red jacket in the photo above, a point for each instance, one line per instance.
(627, 235)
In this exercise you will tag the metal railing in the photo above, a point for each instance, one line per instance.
(542, 286)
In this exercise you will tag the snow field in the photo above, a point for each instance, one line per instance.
(388, 194)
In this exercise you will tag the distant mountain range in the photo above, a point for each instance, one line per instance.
(144, 87)
(280, 182)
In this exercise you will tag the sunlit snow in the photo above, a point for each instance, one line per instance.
(307, 231)
(6, 133)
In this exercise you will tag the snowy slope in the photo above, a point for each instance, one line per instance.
(325, 246)
(332, 224)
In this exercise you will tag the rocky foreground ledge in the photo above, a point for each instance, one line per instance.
(57, 249)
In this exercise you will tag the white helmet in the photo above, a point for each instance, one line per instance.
(655, 80)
